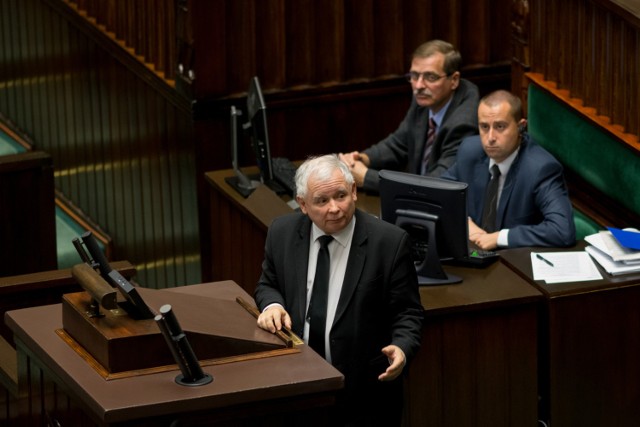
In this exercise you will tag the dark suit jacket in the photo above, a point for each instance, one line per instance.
(403, 149)
(534, 203)
(379, 304)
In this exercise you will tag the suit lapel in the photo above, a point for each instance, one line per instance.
(507, 189)
(301, 266)
(481, 169)
(355, 265)
(420, 135)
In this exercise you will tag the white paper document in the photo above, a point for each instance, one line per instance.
(559, 267)
(608, 244)
(610, 266)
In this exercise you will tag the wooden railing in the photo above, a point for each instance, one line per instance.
(590, 49)
(295, 44)
(145, 27)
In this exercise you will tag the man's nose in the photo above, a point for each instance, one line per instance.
(421, 83)
(333, 205)
(491, 138)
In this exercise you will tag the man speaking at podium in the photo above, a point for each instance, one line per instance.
(344, 280)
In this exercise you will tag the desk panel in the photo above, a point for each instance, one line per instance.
(477, 364)
(589, 347)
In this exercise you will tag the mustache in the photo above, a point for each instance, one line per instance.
(422, 92)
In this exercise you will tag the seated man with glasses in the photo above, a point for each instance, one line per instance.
(442, 113)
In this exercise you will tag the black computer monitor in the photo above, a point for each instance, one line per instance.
(434, 213)
(256, 125)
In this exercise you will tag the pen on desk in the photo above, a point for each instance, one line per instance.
(540, 257)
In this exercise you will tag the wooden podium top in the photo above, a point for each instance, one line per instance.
(157, 394)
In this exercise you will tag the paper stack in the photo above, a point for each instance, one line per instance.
(617, 251)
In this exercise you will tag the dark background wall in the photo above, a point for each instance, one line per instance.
(131, 131)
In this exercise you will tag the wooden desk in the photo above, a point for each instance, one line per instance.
(477, 364)
(264, 392)
(589, 347)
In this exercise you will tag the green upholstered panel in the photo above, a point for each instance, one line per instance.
(584, 225)
(585, 149)
(66, 230)
(8, 145)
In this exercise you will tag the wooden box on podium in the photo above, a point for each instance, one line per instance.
(217, 330)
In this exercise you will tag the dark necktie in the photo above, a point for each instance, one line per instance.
(317, 312)
(491, 201)
(431, 136)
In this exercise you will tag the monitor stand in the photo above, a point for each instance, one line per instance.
(242, 184)
(430, 271)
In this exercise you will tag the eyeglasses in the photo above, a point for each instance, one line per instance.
(427, 77)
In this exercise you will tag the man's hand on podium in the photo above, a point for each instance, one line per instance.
(273, 318)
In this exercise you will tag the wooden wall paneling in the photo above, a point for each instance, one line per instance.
(98, 134)
(634, 65)
(417, 14)
(46, 72)
(271, 41)
(388, 25)
(21, 81)
(359, 39)
(584, 76)
(603, 63)
(30, 72)
(300, 53)
(211, 37)
(241, 53)
(153, 234)
(476, 20)
(66, 127)
(185, 187)
(93, 133)
(446, 21)
(18, 68)
(103, 13)
(561, 47)
(521, 48)
(177, 204)
(328, 50)
(164, 28)
(575, 34)
(5, 57)
(496, 31)
(616, 76)
(132, 170)
(130, 22)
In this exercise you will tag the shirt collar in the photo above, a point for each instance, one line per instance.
(505, 165)
(439, 116)
(343, 236)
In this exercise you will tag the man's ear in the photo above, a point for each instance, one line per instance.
(303, 206)
(522, 126)
(455, 80)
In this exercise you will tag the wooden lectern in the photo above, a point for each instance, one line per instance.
(112, 371)
(117, 344)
